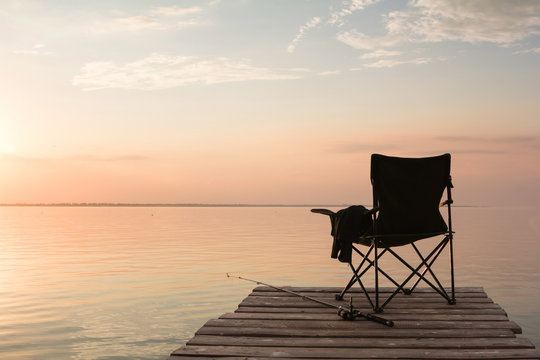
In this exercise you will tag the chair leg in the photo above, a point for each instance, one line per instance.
(351, 282)
(361, 284)
(451, 236)
(376, 308)
(453, 300)
(355, 277)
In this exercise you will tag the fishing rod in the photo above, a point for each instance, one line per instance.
(346, 314)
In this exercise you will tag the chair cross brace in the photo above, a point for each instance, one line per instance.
(356, 276)
(415, 271)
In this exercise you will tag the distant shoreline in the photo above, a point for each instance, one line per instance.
(183, 205)
(163, 205)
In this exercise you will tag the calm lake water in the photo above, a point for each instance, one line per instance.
(137, 282)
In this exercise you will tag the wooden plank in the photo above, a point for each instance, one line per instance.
(480, 303)
(335, 317)
(388, 311)
(356, 333)
(385, 343)
(202, 357)
(364, 307)
(361, 299)
(361, 323)
(355, 353)
(333, 289)
(314, 294)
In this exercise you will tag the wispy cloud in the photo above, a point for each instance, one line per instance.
(299, 69)
(511, 139)
(495, 21)
(388, 63)
(80, 157)
(336, 17)
(158, 18)
(162, 71)
(380, 53)
(174, 11)
(455, 144)
(358, 40)
(302, 31)
(330, 72)
(36, 50)
(500, 22)
(528, 51)
(464, 151)
(137, 22)
(492, 144)
(350, 147)
(108, 158)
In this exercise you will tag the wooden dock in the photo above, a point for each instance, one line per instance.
(273, 324)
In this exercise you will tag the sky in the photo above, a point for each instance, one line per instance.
(265, 101)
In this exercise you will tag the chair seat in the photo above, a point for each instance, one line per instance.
(396, 240)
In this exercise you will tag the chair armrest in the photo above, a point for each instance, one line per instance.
(323, 211)
(330, 212)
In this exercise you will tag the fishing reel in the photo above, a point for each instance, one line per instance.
(351, 314)
(348, 314)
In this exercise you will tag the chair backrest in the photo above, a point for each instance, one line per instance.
(408, 192)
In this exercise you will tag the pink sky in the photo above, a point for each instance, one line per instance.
(230, 102)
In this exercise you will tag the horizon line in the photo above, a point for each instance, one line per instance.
(107, 204)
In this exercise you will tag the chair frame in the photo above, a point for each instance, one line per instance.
(378, 248)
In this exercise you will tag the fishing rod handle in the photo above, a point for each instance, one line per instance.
(378, 319)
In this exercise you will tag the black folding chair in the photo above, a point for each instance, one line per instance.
(407, 194)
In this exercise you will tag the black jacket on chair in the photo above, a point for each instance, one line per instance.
(348, 225)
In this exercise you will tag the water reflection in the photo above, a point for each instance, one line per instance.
(95, 283)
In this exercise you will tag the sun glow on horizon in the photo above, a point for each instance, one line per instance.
(8, 148)
(7, 141)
